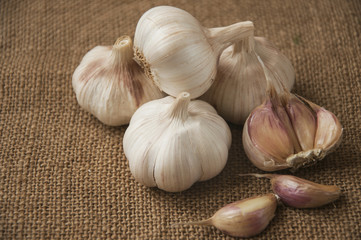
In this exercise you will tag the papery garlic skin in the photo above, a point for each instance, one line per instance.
(109, 84)
(173, 143)
(177, 53)
(240, 83)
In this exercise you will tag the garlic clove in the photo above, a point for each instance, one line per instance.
(303, 121)
(269, 133)
(173, 143)
(329, 136)
(240, 84)
(179, 54)
(258, 157)
(311, 131)
(282, 114)
(327, 139)
(213, 161)
(109, 84)
(244, 218)
(300, 193)
(175, 169)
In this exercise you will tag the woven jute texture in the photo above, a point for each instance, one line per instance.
(64, 174)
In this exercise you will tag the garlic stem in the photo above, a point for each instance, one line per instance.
(246, 45)
(179, 108)
(122, 51)
(222, 37)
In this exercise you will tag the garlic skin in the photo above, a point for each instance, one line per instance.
(240, 83)
(177, 53)
(288, 131)
(109, 84)
(173, 143)
(244, 218)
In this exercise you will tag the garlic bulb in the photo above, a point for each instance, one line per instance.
(177, 53)
(288, 131)
(109, 84)
(172, 143)
(240, 84)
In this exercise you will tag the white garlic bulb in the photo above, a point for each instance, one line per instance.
(177, 53)
(172, 143)
(288, 131)
(240, 84)
(109, 84)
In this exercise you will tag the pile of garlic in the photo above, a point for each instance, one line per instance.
(174, 141)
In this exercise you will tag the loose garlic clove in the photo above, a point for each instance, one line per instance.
(240, 83)
(300, 193)
(244, 218)
(177, 53)
(173, 143)
(288, 131)
(109, 84)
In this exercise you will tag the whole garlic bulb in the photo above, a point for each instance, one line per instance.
(240, 84)
(177, 53)
(288, 131)
(172, 143)
(109, 84)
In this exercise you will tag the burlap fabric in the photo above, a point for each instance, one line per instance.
(64, 174)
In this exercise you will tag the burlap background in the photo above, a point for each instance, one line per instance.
(64, 174)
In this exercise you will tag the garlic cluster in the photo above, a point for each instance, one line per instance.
(288, 131)
(179, 54)
(109, 84)
(240, 83)
(172, 143)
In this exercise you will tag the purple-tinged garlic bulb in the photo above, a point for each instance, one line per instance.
(109, 84)
(288, 131)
